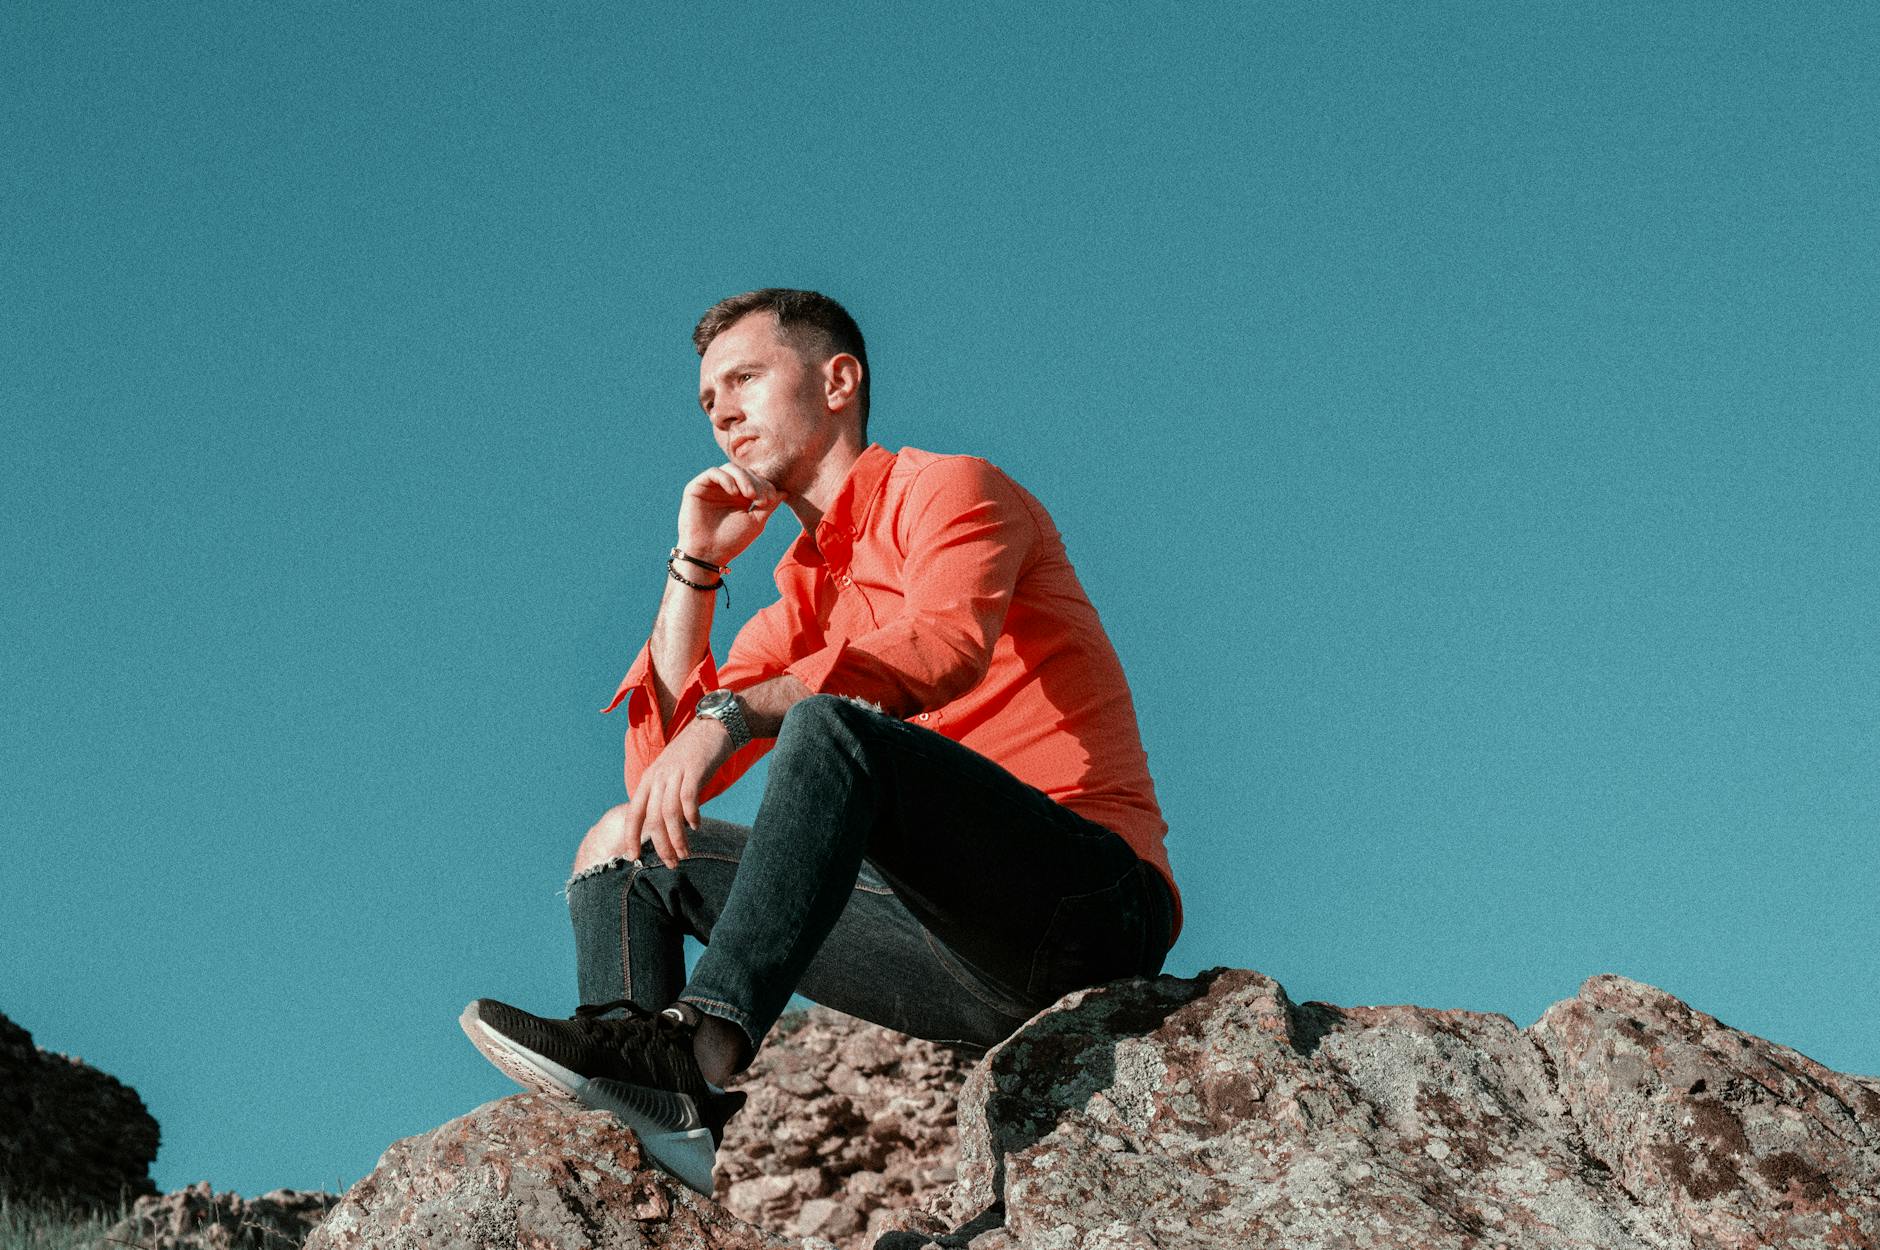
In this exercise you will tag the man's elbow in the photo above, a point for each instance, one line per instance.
(965, 666)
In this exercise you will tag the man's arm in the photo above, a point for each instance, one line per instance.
(721, 512)
(968, 536)
(666, 804)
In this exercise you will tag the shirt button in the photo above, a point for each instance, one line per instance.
(922, 716)
(847, 582)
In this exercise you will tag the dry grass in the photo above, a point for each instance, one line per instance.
(32, 1226)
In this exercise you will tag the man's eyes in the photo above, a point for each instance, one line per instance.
(739, 378)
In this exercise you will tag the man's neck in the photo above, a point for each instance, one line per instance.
(819, 496)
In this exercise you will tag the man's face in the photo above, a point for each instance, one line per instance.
(766, 403)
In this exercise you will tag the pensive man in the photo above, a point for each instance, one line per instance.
(958, 826)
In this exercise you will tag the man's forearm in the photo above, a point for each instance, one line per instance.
(681, 633)
(767, 701)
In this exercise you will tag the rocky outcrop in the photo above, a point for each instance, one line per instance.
(1730, 1141)
(69, 1134)
(197, 1218)
(849, 1129)
(1214, 1111)
(1199, 1113)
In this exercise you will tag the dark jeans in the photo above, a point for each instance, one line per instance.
(891, 874)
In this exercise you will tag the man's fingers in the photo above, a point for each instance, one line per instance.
(746, 484)
(672, 824)
(717, 487)
(655, 833)
(762, 493)
(722, 488)
(768, 496)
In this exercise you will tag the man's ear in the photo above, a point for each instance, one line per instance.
(842, 381)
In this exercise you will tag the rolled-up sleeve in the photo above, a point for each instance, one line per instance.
(967, 536)
(754, 657)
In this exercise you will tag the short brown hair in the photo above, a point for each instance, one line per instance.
(812, 322)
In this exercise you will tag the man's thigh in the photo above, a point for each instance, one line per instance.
(1027, 896)
(878, 962)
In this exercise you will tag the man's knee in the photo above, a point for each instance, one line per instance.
(823, 716)
(606, 832)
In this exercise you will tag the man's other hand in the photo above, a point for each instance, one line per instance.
(723, 511)
(666, 805)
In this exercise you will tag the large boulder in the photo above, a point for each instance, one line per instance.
(1731, 1141)
(69, 1134)
(1215, 1112)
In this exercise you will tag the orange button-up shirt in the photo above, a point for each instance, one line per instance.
(938, 588)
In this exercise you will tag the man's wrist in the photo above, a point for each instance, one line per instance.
(701, 559)
(711, 725)
(701, 555)
(727, 708)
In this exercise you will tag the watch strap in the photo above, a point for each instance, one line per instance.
(729, 712)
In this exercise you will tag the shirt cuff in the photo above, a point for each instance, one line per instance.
(637, 688)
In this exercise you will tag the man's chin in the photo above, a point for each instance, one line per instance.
(766, 470)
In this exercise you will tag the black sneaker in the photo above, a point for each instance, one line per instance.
(638, 1066)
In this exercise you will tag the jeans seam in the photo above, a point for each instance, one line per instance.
(626, 942)
(946, 966)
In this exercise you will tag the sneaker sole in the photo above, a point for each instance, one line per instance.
(518, 1062)
(686, 1153)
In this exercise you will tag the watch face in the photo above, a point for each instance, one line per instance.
(714, 702)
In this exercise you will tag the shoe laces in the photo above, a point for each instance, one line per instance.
(638, 1024)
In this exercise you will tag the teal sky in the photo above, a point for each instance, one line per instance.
(1463, 416)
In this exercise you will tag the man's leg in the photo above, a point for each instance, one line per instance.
(992, 900)
(878, 961)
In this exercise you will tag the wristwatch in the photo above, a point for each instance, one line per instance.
(725, 707)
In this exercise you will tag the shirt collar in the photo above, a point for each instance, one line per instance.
(842, 524)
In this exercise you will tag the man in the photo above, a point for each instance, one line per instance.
(958, 826)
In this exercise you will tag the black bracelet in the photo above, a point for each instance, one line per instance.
(683, 580)
(720, 569)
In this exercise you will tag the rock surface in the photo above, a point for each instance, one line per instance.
(527, 1171)
(1214, 1111)
(69, 1134)
(197, 1218)
(1730, 1141)
(848, 1132)
(1194, 1114)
